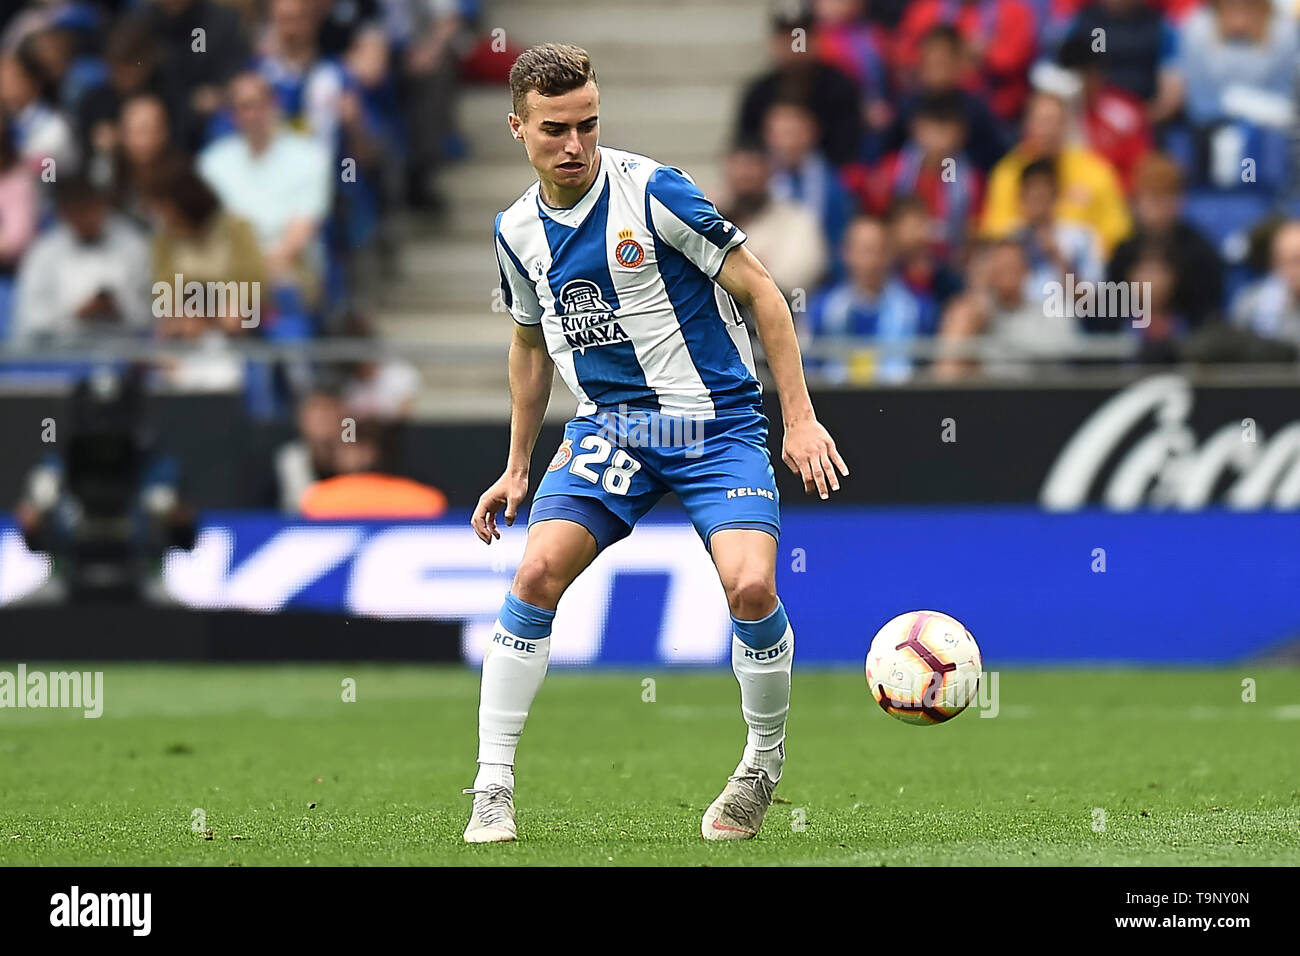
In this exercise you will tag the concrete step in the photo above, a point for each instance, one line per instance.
(484, 329)
(447, 276)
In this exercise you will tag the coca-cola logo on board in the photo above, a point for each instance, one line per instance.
(1168, 465)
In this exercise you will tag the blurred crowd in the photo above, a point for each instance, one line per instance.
(917, 173)
(960, 170)
(205, 171)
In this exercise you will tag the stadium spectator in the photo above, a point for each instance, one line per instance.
(144, 153)
(1000, 36)
(939, 70)
(1090, 192)
(196, 238)
(87, 276)
(369, 105)
(309, 457)
(430, 74)
(1270, 307)
(64, 51)
(372, 137)
(1135, 42)
(39, 131)
(1157, 207)
(925, 274)
(1052, 248)
(1163, 326)
(131, 59)
(382, 391)
(998, 309)
(307, 87)
(19, 213)
(871, 302)
(801, 174)
(198, 242)
(276, 179)
(1114, 121)
(798, 76)
(860, 50)
(934, 166)
(1231, 47)
(1235, 77)
(201, 46)
(338, 468)
(784, 235)
(340, 23)
(1055, 20)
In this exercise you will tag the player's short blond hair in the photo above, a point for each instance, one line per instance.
(550, 69)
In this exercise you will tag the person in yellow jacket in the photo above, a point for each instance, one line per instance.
(1090, 191)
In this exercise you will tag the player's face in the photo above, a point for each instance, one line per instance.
(560, 134)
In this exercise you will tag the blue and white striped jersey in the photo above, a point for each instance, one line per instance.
(622, 286)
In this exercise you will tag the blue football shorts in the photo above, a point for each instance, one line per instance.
(613, 466)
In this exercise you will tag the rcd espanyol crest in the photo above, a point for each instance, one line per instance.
(628, 253)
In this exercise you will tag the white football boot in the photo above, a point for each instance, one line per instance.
(493, 817)
(738, 812)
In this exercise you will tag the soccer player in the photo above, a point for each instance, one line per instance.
(620, 272)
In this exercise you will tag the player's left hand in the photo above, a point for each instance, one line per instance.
(809, 451)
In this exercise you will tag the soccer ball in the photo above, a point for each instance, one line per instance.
(923, 667)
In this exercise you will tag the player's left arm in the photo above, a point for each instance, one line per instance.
(807, 449)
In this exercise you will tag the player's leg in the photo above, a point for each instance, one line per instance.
(727, 485)
(762, 654)
(762, 646)
(515, 662)
(578, 511)
(514, 665)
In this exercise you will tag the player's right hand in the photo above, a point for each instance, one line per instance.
(508, 491)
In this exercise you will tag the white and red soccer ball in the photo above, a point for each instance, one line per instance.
(923, 667)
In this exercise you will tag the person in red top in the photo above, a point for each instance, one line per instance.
(1002, 36)
(1113, 120)
(934, 167)
(843, 39)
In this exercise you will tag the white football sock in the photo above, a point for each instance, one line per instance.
(764, 678)
(513, 669)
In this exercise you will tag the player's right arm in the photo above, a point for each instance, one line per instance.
(531, 373)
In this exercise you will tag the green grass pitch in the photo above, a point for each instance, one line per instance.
(286, 773)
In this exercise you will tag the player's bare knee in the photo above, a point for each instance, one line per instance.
(540, 581)
(752, 598)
